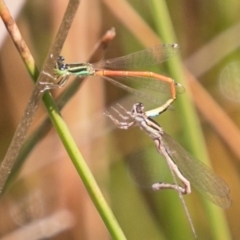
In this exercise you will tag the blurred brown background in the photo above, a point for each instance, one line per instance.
(48, 199)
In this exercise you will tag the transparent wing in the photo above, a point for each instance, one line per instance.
(148, 83)
(147, 57)
(200, 176)
(149, 89)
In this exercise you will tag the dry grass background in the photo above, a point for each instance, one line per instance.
(48, 183)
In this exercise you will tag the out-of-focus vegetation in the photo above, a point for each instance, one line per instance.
(48, 195)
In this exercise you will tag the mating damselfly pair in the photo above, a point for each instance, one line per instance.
(188, 169)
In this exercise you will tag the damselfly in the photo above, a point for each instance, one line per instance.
(114, 70)
(182, 165)
(187, 168)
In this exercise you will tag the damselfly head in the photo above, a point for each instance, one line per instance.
(61, 68)
(60, 64)
(138, 108)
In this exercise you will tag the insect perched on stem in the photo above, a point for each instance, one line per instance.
(188, 169)
(119, 71)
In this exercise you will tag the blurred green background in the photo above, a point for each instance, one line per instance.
(48, 199)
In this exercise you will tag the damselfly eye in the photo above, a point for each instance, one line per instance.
(61, 58)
